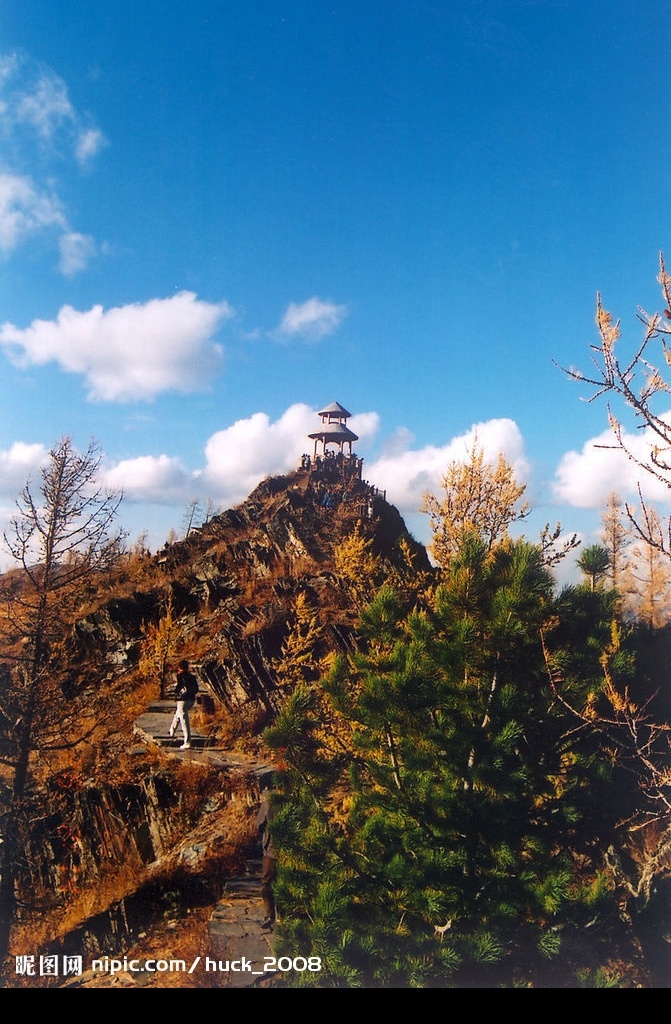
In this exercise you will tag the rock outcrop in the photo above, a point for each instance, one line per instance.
(233, 582)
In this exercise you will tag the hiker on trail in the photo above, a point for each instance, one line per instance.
(185, 695)
(268, 862)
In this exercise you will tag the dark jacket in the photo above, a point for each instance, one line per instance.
(187, 686)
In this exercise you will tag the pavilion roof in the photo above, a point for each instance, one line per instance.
(335, 409)
(334, 432)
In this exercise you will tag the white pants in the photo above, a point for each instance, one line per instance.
(182, 718)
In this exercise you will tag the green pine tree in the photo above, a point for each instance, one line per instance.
(419, 811)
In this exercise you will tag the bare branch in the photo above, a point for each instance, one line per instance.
(638, 384)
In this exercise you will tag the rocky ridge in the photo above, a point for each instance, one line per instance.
(181, 822)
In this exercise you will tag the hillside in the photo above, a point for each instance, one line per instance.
(126, 835)
(131, 842)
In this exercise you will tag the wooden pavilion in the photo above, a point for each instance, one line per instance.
(334, 430)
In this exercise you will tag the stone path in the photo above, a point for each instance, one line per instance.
(241, 951)
(153, 726)
(240, 954)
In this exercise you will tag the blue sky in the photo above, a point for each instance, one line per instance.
(218, 217)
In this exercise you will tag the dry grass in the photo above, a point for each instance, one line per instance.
(35, 934)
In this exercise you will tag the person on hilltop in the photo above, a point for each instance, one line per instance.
(186, 692)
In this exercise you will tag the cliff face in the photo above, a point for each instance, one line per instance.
(109, 862)
(231, 587)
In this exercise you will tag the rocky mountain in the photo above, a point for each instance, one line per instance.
(127, 835)
(232, 583)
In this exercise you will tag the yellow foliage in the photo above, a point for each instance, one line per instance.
(477, 497)
(160, 646)
(356, 564)
(300, 651)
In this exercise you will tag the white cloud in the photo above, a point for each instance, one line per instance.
(127, 353)
(41, 128)
(312, 320)
(9, 62)
(44, 104)
(88, 144)
(242, 455)
(148, 478)
(17, 465)
(35, 97)
(23, 211)
(585, 479)
(76, 252)
(398, 442)
(406, 474)
(364, 424)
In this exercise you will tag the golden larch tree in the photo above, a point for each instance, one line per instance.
(477, 497)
